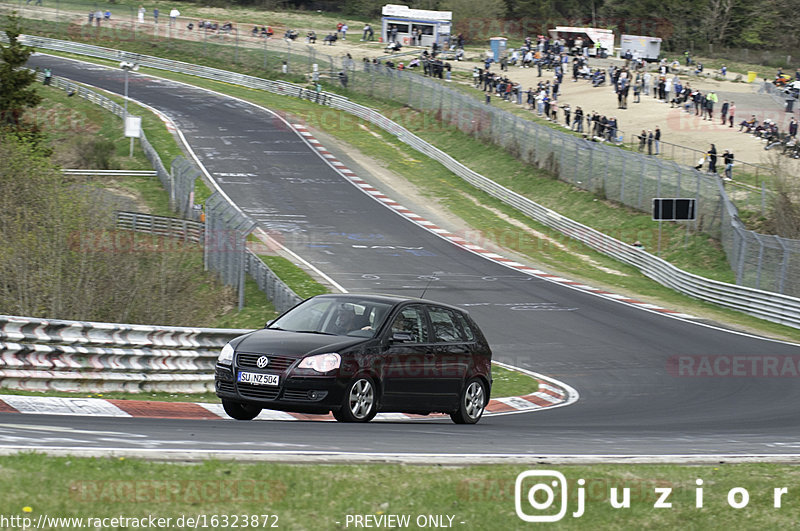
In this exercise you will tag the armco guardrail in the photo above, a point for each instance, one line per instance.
(767, 305)
(184, 229)
(44, 354)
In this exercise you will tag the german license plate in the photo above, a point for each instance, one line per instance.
(255, 378)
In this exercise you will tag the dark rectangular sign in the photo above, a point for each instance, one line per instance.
(674, 209)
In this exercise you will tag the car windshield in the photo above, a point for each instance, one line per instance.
(336, 316)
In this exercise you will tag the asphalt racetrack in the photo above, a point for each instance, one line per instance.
(636, 371)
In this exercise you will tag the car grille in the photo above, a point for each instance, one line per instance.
(258, 391)
(226, 387)
(276, 363)
(295, 394)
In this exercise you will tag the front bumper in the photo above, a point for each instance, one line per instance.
(304, 394)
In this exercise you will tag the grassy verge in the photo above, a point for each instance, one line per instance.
(322, 497)
(506, 383)
(293, 276)
(511, 383)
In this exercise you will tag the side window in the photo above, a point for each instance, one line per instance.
(445, 327)
(411, 321)
(470, 335)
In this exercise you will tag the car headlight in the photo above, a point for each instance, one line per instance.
(226, 355)
(321, 362)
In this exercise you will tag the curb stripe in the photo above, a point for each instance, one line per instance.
(5, 408)
(168, 410)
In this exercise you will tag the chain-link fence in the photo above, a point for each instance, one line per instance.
(619, 175)
(227, 229)
(181, 194)
(231, 242)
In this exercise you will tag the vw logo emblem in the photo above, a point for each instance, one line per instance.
(262, 362)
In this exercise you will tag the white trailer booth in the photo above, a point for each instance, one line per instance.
(435, 25)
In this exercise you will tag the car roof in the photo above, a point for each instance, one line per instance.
(387, 298)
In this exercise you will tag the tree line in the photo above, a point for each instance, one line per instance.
(767, 24)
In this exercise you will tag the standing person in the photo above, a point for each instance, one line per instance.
(155, 15)
(577, 122)
(173, 16)
(48, 76)
(650, 142)
(611, 127)
(141, 15)
(642, 140)
(98, 16)
(727, 159)
(712, 159)
(711, 99)
(344, 32)
(793, 128)
(339, 29)
(366, 32)
(566, 108)
(657, 140)
(724, 112)
(731, 112)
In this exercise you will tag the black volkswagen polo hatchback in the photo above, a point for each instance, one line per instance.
(357, 355)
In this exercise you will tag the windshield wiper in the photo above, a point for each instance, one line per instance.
(314, 332)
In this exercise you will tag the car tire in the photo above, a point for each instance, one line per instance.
(471, 403)
(240, 411)
(360, 401)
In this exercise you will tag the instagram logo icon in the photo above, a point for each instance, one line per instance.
(535, 493)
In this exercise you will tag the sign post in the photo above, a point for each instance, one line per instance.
(673, 209)
(133, 129)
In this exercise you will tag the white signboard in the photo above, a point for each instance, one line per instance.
(133, 126)
(394, 10)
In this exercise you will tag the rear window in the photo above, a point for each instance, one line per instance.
(446, 328)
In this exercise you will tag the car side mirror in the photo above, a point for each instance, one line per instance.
(402, 337)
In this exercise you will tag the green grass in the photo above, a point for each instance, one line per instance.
(511, 383)
(256, 312)
(320, 497)
(294, 277)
